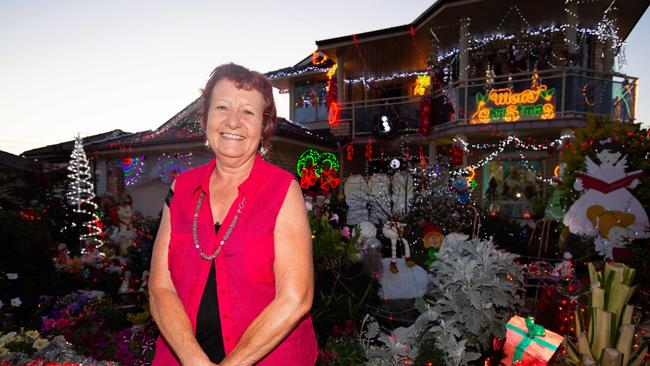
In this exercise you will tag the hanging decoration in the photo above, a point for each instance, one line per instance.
(313, 166)
(132, 167)
(368, 152)
(457, 152)
(332, 97)
(425, 116)
(80, 195)
(349, 152)
(423, 160)
(607, 210)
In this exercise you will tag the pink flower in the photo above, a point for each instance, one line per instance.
(345, 232)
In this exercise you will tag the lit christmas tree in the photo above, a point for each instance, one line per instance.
(80, 195)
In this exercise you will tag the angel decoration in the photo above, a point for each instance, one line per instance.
(607, 209)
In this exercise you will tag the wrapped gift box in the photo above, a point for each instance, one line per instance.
(529, 344)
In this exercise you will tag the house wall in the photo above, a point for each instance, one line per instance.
(149, 198)
(285, 156)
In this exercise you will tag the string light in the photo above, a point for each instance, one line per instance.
(80, 195)
(393, 76)
(503, 144)
(171, 165)
(132, 168)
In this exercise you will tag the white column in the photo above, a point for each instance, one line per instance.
(572, 21)
(101, 176)
(433, 152)
(463, 53)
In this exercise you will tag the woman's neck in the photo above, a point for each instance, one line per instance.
(233, 171)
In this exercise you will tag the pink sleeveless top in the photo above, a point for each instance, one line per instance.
(244, 267)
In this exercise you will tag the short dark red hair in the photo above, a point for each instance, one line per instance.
(243, 79)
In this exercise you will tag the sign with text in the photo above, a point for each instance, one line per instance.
(504, 104)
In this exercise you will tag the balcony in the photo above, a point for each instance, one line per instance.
(544, 98)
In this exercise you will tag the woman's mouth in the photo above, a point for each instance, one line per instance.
(231, 136)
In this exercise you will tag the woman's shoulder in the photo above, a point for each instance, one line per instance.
(273, 171)
(193, 176)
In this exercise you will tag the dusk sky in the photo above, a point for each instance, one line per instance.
(87, 67)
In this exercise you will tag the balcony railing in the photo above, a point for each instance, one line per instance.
(547, 95)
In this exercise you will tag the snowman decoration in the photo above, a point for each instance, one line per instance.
(391, 230)
(607, 209)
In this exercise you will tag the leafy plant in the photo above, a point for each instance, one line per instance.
(608, 337)
(342, 351)
(476, 291)
(331, 247)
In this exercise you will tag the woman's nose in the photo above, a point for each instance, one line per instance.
(233, 120)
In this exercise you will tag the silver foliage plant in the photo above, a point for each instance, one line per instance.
(476, 290)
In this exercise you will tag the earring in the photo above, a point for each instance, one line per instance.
(263, 150)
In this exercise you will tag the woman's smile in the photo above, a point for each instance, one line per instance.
(231, 136)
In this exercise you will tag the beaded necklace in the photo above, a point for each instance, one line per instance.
(195, 223)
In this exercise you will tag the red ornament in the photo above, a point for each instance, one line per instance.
(349, 150)
(369, 150)
(333, 114)
(308, 177)
(457, 154)
(425, 116)
(423, 160)
(329, 179)
(407, 154)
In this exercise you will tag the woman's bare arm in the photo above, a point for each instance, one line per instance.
(294, 281)
(166, 308)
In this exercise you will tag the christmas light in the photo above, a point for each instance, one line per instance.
(132, 168)
(422, 83)
(312, 166)
(80, 195)
(505, 105)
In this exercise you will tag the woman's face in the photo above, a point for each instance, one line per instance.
(234, 126)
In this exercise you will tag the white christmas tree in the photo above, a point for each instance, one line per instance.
(80, 195)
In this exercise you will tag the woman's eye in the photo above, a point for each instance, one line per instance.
(250, 113)
(221, 107)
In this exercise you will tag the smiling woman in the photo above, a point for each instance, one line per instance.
(232, 281)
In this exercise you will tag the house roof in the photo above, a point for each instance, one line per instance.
(185, 127)
(16, 163)
(407, 47)
(484, 14)
(62, 150)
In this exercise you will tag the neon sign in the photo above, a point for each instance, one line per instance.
(422, 83)
(506, 105)
(313, 166)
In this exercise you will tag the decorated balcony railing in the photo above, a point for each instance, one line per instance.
(545, 95)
